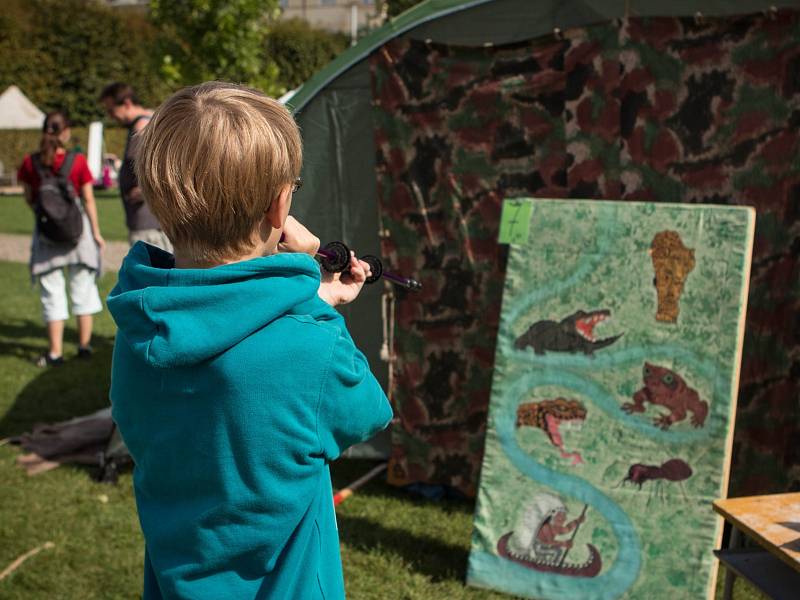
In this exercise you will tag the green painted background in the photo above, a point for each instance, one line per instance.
(591, 256)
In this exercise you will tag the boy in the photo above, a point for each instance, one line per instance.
(234, 381)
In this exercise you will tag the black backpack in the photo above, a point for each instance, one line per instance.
(58, 215)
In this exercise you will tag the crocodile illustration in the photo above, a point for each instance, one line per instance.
(534, 542)
(548, 415)
(572, 334)
(666, 388)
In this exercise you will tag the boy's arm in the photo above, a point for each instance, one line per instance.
(352, 406)
(335, 288)
(295, 237)
(342, 288)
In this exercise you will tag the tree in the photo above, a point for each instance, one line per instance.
(62, 52)
(395, 7)
(23, 64)
(216, 39)
(299, 50)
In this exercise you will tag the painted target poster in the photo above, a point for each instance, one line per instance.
(613, 399)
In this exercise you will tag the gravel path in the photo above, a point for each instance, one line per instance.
(17, 248)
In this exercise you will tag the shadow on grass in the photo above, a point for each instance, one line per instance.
(10, 332)
(346, 470)
(425, 555)
(76, 388)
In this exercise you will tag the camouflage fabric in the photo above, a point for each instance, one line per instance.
(446, 159)
(662, 109)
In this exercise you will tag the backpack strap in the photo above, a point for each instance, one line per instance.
(66, 166)
(64, 171)
(132, 131)
(132, 126)
(36, 159)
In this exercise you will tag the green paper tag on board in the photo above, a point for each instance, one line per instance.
(515, 221)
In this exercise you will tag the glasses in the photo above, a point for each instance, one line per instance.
(298, 183)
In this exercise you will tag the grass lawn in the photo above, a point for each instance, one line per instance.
(392, 545)
(16, 217)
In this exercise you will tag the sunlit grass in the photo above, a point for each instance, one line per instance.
(393, 546)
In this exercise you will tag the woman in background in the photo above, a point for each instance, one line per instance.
(49, 258)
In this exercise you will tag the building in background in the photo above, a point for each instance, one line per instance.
(143, 4)
(346, 16)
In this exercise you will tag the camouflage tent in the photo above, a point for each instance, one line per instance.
(415, 135)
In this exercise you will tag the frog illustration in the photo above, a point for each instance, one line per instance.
(666, 388)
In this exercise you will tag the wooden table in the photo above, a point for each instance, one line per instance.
(774, 523)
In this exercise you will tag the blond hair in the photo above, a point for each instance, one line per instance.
(211, 161)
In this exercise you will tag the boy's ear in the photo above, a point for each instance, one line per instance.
(279, 208)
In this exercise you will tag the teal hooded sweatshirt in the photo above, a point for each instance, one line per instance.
(233, 387)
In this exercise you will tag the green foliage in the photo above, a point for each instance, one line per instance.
(215, 39)
(299, 50)
(395, 7)
(62, 52)
(24, 63)
(16, 143)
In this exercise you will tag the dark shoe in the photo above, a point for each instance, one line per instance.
(85, 352)
(45, 360)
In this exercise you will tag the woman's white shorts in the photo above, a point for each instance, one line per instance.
(83, 293)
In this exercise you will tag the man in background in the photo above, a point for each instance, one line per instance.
(122, 105)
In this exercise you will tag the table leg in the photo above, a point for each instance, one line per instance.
(734, 542)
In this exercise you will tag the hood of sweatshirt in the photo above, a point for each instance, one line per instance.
(179, 317)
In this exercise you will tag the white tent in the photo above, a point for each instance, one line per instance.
(17, 112)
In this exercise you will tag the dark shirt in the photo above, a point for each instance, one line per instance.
(137, 214)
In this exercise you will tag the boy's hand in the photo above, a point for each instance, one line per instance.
(296, 238)
(341, 288)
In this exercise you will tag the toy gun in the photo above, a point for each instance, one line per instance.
(335, 258)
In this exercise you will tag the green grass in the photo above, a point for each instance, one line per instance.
(16, 217)
(392, 545)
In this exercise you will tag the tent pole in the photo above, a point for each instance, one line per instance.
(346, 492)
